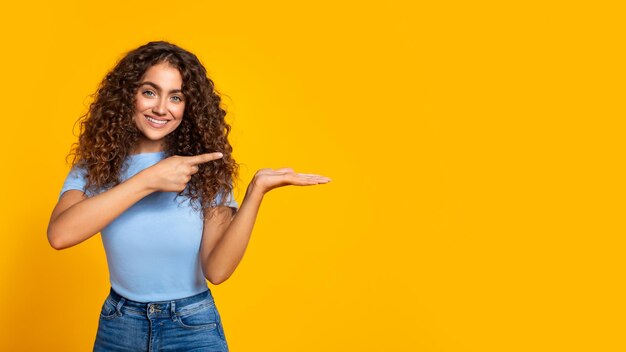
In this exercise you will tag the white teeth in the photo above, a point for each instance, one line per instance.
(156, 121)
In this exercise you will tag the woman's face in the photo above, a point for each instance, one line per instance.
(159, 106)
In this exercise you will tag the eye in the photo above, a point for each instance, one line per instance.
(177, 97)
(147, 91)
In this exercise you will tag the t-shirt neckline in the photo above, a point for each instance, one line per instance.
(147, 154)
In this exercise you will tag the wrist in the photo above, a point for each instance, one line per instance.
(255, 190)
(144, 179)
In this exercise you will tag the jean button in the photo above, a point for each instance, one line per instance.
(151, 309)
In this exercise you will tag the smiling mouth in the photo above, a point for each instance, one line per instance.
(155, 121)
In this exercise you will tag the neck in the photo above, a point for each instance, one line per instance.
(147, 146)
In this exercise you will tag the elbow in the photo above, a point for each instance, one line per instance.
(55, 240)
(215, 282)
(215, 278)
(56, 244)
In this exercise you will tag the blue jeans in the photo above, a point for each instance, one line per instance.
(187, 324)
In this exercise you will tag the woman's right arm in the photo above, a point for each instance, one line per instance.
(76, 217)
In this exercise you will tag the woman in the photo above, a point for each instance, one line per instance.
(153, 172)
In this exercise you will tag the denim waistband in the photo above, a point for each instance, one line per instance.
(179, 306)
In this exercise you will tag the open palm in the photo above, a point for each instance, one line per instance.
(268, 179)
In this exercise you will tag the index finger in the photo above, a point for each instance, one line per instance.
(203, 158)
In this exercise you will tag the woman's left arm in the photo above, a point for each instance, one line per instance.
(225, 237)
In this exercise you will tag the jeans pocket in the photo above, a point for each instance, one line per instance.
(203, 317)
(109, 309)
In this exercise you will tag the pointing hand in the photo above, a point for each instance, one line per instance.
(172, 174)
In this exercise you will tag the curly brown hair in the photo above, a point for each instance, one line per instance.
(108, 133)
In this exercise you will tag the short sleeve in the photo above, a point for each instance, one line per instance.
(230, 200)
(76, 179)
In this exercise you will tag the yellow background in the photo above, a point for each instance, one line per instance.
(476, 150)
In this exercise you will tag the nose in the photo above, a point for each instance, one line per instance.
(159, 108)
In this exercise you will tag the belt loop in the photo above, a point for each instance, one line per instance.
(173, 310)
(119, 306)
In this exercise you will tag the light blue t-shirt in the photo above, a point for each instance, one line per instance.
(153, 248)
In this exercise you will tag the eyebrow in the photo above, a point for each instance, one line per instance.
(156, 86)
